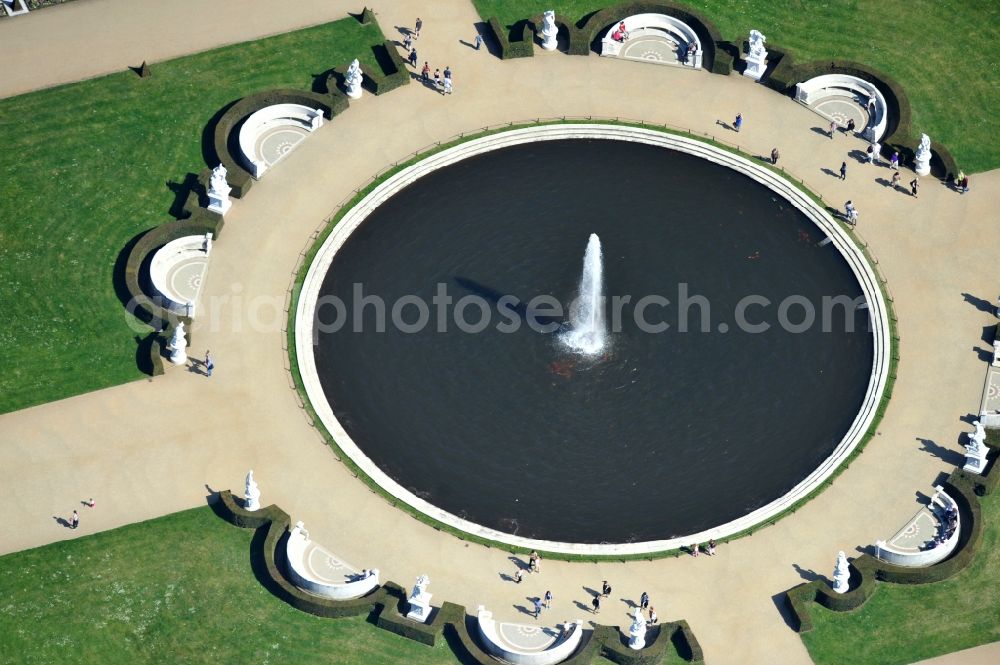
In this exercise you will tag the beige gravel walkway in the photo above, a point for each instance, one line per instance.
(154, 447)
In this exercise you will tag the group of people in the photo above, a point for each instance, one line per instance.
(709, 548)
(948, 528)
(443, 85)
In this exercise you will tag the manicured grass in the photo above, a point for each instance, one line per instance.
(905, 623)
(178, 589)
(941, 52)
(88, 166)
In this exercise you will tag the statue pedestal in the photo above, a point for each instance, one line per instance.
(354, 91)
(922, 164)
(419, 607)
(178, 355)
(637, 639)
(218, 203)
(756, 65)
(974, 464)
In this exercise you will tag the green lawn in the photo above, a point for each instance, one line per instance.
(178, 589)
(88, 166)
(906, 623)
(942, 52)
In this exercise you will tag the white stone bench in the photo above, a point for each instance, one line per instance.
(670, 30)
(526, 644)
(816, 89)
(15, 7)
(177, 272)
(314, 569)
(268, 119)
(912, 558)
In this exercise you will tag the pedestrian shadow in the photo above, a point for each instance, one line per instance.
(583, 607)
(805, 573)
(519, 562)
(885, 182)
(405, 32)
(524, 610)
(979, 303)
(830, 172)
(725, 125)
(504, 577)
(822, 132)
(590, 591)
(427, 83)
(859, 155)
(469, 44)
(61, 521)
(985, 355)
(197, 366)
(631, 604)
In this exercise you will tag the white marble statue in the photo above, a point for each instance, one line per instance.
(637, 631)
(550, 31)
(218, 191)
(252, 493)
(178, 345)
(419, 602)
(300, 531)
(841, 574)
(756, 56)
(353, 78)
(976, 450)
(922, 158)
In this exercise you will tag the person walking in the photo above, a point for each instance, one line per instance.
(711, 547)
(913, 187)
(209, 364)
(91, 503)
(447, 87)
(419, 24)
(644, 600)
(738, 123)
(425, 73)
(843, 170)
(74, 521)
(479, 40)
(605, 589)
(695, 549)
(408, 42)
(596, 603)
(413, 58)
(548, 600)
(871, 154)
(518, 576)
(653, 619)
(895, 180)
(876, 151)
(447, 72)
(833, 127)
(535, 562)
(894, 160)
(964, 185)
(851, 125)
(538, 605)
(437, 79)
(774, 155)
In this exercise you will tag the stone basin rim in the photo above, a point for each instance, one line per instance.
(353, 218)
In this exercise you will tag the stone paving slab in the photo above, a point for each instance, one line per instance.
(154, 447)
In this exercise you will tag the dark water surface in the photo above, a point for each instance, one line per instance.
(670, 433)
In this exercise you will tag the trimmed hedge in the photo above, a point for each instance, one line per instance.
(394, 72)
(866, 569)
(709, 35)
(577, 42)
(226, 144)
(520, 47)
(900, 134)
(387, 603)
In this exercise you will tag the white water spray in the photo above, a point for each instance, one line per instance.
(588, 332)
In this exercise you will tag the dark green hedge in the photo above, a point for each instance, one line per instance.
(394, 72)
(577, 42)
(226, 145)
(709, 35)
(522, 46)
(388, 603)
(900, 134)
(866, 569)
(149, 308)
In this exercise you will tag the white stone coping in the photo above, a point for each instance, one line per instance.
(551, 648)
(166, 259)
(645, 25)
(989, 407)
(300, 549)
(828, 85)
(886, 552)
(10, 6)
(268, 118)
(304, 325)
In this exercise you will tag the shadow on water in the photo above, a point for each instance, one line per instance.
(520, 308)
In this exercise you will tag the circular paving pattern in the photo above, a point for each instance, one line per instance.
(278, 142)
(650, 48)
(843, 109)
(185, 277)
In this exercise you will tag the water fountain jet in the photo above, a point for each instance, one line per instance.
(588, 331)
